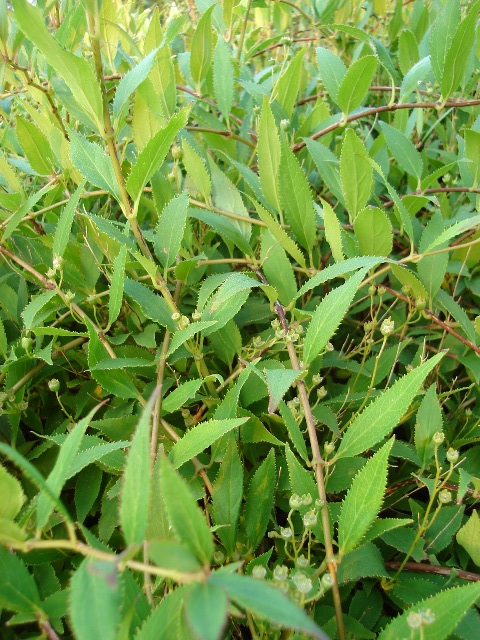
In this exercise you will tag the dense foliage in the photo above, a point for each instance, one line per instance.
(239, 319)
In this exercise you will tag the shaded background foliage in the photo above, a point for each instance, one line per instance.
(239, 319)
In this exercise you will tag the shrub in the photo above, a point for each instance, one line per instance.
(239, 320)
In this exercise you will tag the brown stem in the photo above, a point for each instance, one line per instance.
(47, 629)
(318, 465)
(390, 203)
(225, 133)
(382, 109)
(437, 321)
(423, 567)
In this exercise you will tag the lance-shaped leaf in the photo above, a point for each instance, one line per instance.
(95, 600)
(429, 421)
(356, 174)
(279, 382)
(187, 520)
(206, 610)
(269, 153)
(116, 286)
(328, 316)
(18, 590)
(200, 437)
(355, 84)
(383, 414)
(202, 47)
(77, 72)
(331, 70)
(130, 82)
(259, 501)
(65, 221)
(296, 198)
(333, 231)
(288, 84)
(170, 229)
(227, 497)
(36, 147)
(94, 163)
(363, 500)
(223, 77)
(196, 170)
(59, 473)
(135, 500)
(265, 601)
(152, 156)
(374, 232)
(403, 150)
(444, 611)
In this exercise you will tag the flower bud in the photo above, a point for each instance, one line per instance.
(58, 263)
(259, 572)
(295, 501)
(445, 496)
(321, 392)
(438, 438)
(372, 290)
(176, 152)
(280, 573)
(302, 562)
(306, 499)
(286, 533)
(310, 519)
(285, 124)
(452, 455)
(54, 385)
(387, 327)
(414, 620)
(196, 316)
(327, 581)
(26, 343)
(420, 303)
(381, 291)
(328, 448)
(218, 557)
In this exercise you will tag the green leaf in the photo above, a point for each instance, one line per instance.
(408, 279)
(296, 198)
(35, 306)
(34, 476)
(202, 47)
(206, 610)
(259, 501)
(167, 620)
(384, 413)
(18, 591)
(288, 85)
(12, 495)
(441, 36)
(200, 437)
(152, 156)
(223, 77)
(227, 497)
(469, 537)
(328, 167)
(94, 163)
(36, 147)
(182, 335)
(472, 153)
(328, 315)
(338, 270)
(179, 396)
(115, 298)
(265, 601)
(356, 174)
(302, 481)
(269, 153)
(95, 599)
(113, 364)
(446, 608)
(130, 81)
(432, 269)
(374, 232)
(226, 196)
(152, 305)
(279, 382)
(77, 72)
(277, 268)
(458, 54)
(363, 501)
(196, 170)
(224, 227)
(333, 231)
(417, 74)
(58, 475)
(403, 150)
(119, 382)
(408, 53)
(134, 503)
(454, 230)
(448, 305)
(22, 211)
(187, 520)
(364, 562)
(279, 234)
(355, 84)
(173, 557)
(331, 70)
(294, 431)
(429, 421)
(65, 221)
(170, 229)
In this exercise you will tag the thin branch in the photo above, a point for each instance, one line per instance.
(382, 109)
(390, 203)
(422, 567)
